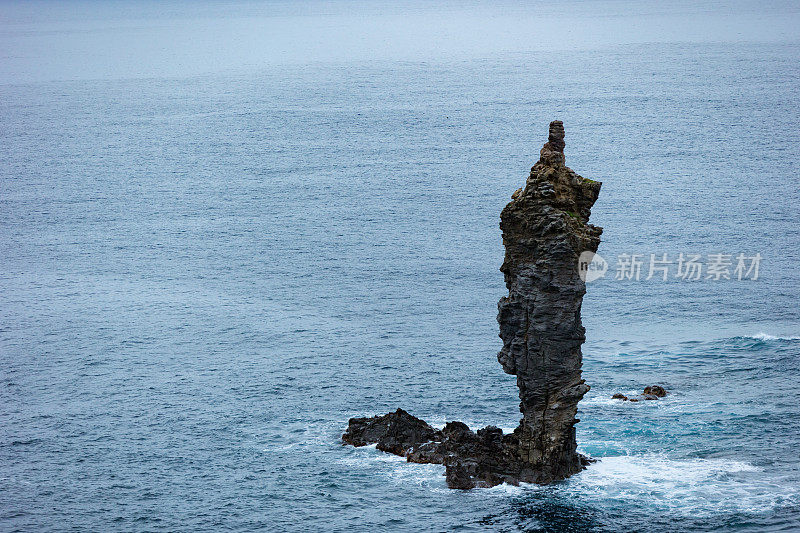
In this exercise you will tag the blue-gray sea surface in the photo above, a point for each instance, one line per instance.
(204, 274)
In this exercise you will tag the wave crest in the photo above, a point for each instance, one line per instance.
(761, 336)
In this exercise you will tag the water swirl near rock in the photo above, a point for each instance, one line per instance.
(545, 229)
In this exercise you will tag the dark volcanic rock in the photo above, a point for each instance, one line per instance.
(655, 390)
(394, 432)
(651, 392)
(545, 229)
(458, 477)
(487, 457)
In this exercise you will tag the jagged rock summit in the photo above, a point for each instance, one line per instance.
(545, 229)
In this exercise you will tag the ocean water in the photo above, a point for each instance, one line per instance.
(220, 243)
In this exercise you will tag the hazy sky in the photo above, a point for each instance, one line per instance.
(49, 40)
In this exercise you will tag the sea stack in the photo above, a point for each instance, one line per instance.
(545, 229)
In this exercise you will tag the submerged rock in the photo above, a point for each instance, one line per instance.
(651, 392)
(545, 229)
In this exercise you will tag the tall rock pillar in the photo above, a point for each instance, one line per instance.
(545, 229)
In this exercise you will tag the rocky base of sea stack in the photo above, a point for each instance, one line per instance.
(482, 458)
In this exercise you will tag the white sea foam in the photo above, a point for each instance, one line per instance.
(367, 456)
(396, 468)
(608, 401)
(761, 336)
(689, 487)
(440, 422)
(604, 399)
(686, 486)
(423, 475)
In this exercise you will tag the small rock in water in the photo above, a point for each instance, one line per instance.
(655, 390)
(651, 392)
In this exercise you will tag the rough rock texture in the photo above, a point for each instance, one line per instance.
(655, 390)
(395, 432)
(651, 392)
(545, 229)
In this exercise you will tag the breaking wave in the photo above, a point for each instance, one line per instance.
(761, 336)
